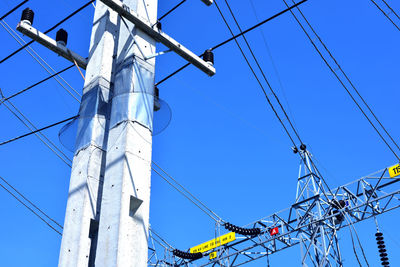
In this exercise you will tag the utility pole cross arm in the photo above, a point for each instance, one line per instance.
(160, 36)
(50, 43)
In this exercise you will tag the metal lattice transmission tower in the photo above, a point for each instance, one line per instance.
(318, 238)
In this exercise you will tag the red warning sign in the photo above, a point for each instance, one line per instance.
(274, 231)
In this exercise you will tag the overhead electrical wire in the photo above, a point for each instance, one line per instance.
(13, 9)
(261, 70)
(346, 77)
(186, 193)
(391, 9)
(31, 203)
(49, 30)
(60, 154)
(35, 84)
(37, 130)
(32, 209)
(274, 66)
(387, 15)
(171, 10)
(256, 77)
(39, 59)
(233, 38)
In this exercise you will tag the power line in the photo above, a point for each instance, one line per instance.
(35, 84)
(49, 30)
(31, 209)
(256, 77)
(13, 9)
(386, 15)
(171, 10)
(340, 80)
(263, 74)
(30, 202)
(38, 59)
(187, 194)
(391, 9)
(37, 130)
(277, 74)
(187, 191)
(234, 37)
(65, 159)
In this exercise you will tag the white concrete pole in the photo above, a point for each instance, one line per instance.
(124, 216)
(79, 235)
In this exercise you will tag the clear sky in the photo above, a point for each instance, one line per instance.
(223, 143)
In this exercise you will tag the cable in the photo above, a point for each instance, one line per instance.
(38, 58)
(255, 76)
(30, 202)
(233, 38)
(391, 9)
(13, 9)
(274, 66)
(47, 31)
(172, 9)
(204, 208)
(36, 131)
(187, 191)
(26, 119)
(341, 82)
(262, 72)
(65, 159)
(35, 84)
(30, 209)
(386, 15)
(347, 77)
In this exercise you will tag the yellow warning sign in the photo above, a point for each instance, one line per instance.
(394, 170)
(213, 255)
(219, 241)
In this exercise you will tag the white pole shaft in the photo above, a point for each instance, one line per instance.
(124, 216)
(78, 242)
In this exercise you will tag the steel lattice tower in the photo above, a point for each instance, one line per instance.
(318, 237)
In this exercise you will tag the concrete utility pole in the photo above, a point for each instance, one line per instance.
(124, 216)
(107, 217)
(83, 207)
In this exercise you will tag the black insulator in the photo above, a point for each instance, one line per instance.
(295, 149)
(185, 255)
(381, 246)
(62, 36)
(339, 204)
(158, 24)
(242, 231)
(156, 92)
(339, 217)
(208, 56)
(303, 147)
(28, 14)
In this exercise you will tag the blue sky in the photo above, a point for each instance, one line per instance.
(223, 143)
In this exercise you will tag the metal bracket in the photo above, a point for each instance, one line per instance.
(50, 43)
(158, 54)
(160, 36)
